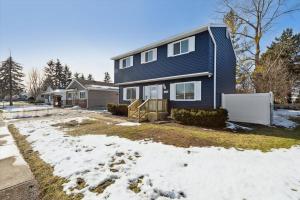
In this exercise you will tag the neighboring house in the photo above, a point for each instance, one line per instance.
(55, 97)
(91, 94)
(191, 69)
(295, 92)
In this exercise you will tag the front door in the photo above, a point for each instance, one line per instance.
(152, 92)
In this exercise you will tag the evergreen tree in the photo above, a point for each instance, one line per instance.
(57, 75)
(90, 77)
(67, 76)
(107, 78)
(76, 75)
(11, 76)
(58, 79)
(82, 77)
(49, 75)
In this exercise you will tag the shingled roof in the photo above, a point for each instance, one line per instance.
(87, 83)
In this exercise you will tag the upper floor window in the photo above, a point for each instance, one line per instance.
(149, 56)
(181, 47)
(126, 62)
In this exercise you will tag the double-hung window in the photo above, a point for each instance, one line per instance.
(149, 56)
(181, 47)
(186, 91)
(126, 62)
(130, 93)
(82, 95)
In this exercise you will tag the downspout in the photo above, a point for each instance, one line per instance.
(215, 66)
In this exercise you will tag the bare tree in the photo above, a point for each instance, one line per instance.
(275, 76)
(256, 17)
(35, 83)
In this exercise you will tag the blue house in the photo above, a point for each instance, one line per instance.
(190, 70)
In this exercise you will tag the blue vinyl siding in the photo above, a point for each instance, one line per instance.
(226, 64)
(201, 60)
(206, 93)
(193, 62)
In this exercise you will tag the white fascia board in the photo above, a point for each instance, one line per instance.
(168, 40)
(73, 82)
(167, 78)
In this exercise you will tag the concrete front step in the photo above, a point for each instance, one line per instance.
(16, 180)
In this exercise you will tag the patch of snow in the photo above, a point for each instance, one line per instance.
(26, 108)
(165, 172)
(233, 126)
(281, 118)
(9, 148)
(128, 124)
(74, 108)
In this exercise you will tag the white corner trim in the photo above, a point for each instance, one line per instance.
(215, 66)
(73, 82)
(167, 78)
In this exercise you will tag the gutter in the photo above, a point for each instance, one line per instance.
(215, 66)
(167, 78)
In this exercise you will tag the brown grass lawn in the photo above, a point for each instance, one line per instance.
(262, 137)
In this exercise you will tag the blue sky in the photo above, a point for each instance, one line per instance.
(85, 34)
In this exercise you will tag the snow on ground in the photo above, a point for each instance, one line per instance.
(234, 126)
(128, 124)
(281, 118)
(163, 171)
(26, 108)
(8, 147)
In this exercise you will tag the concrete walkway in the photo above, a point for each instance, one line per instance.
(16, 179)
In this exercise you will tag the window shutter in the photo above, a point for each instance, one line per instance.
(155, 54)
(170, 50)
(131, 61)
(172, 91)
(124, 94)
(197, 90)
(142, 57)
(192, 43)
(137, 92)
(159, 92)
(120, 63)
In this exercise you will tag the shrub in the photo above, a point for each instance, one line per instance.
(214, 118)
(118, 109)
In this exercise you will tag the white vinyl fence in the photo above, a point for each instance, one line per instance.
(254, 108)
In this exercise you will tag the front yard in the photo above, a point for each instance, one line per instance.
(103, 157)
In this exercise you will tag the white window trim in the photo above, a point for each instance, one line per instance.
(84, 94)
(154, 56)
(195, 93)
(130, 62)
(136, 93)
(179, 41)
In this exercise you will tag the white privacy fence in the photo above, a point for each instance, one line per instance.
(250, 108)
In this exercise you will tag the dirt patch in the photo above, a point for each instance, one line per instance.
(50, 186)
(102, 186)
(80, 184)
(135, 185)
